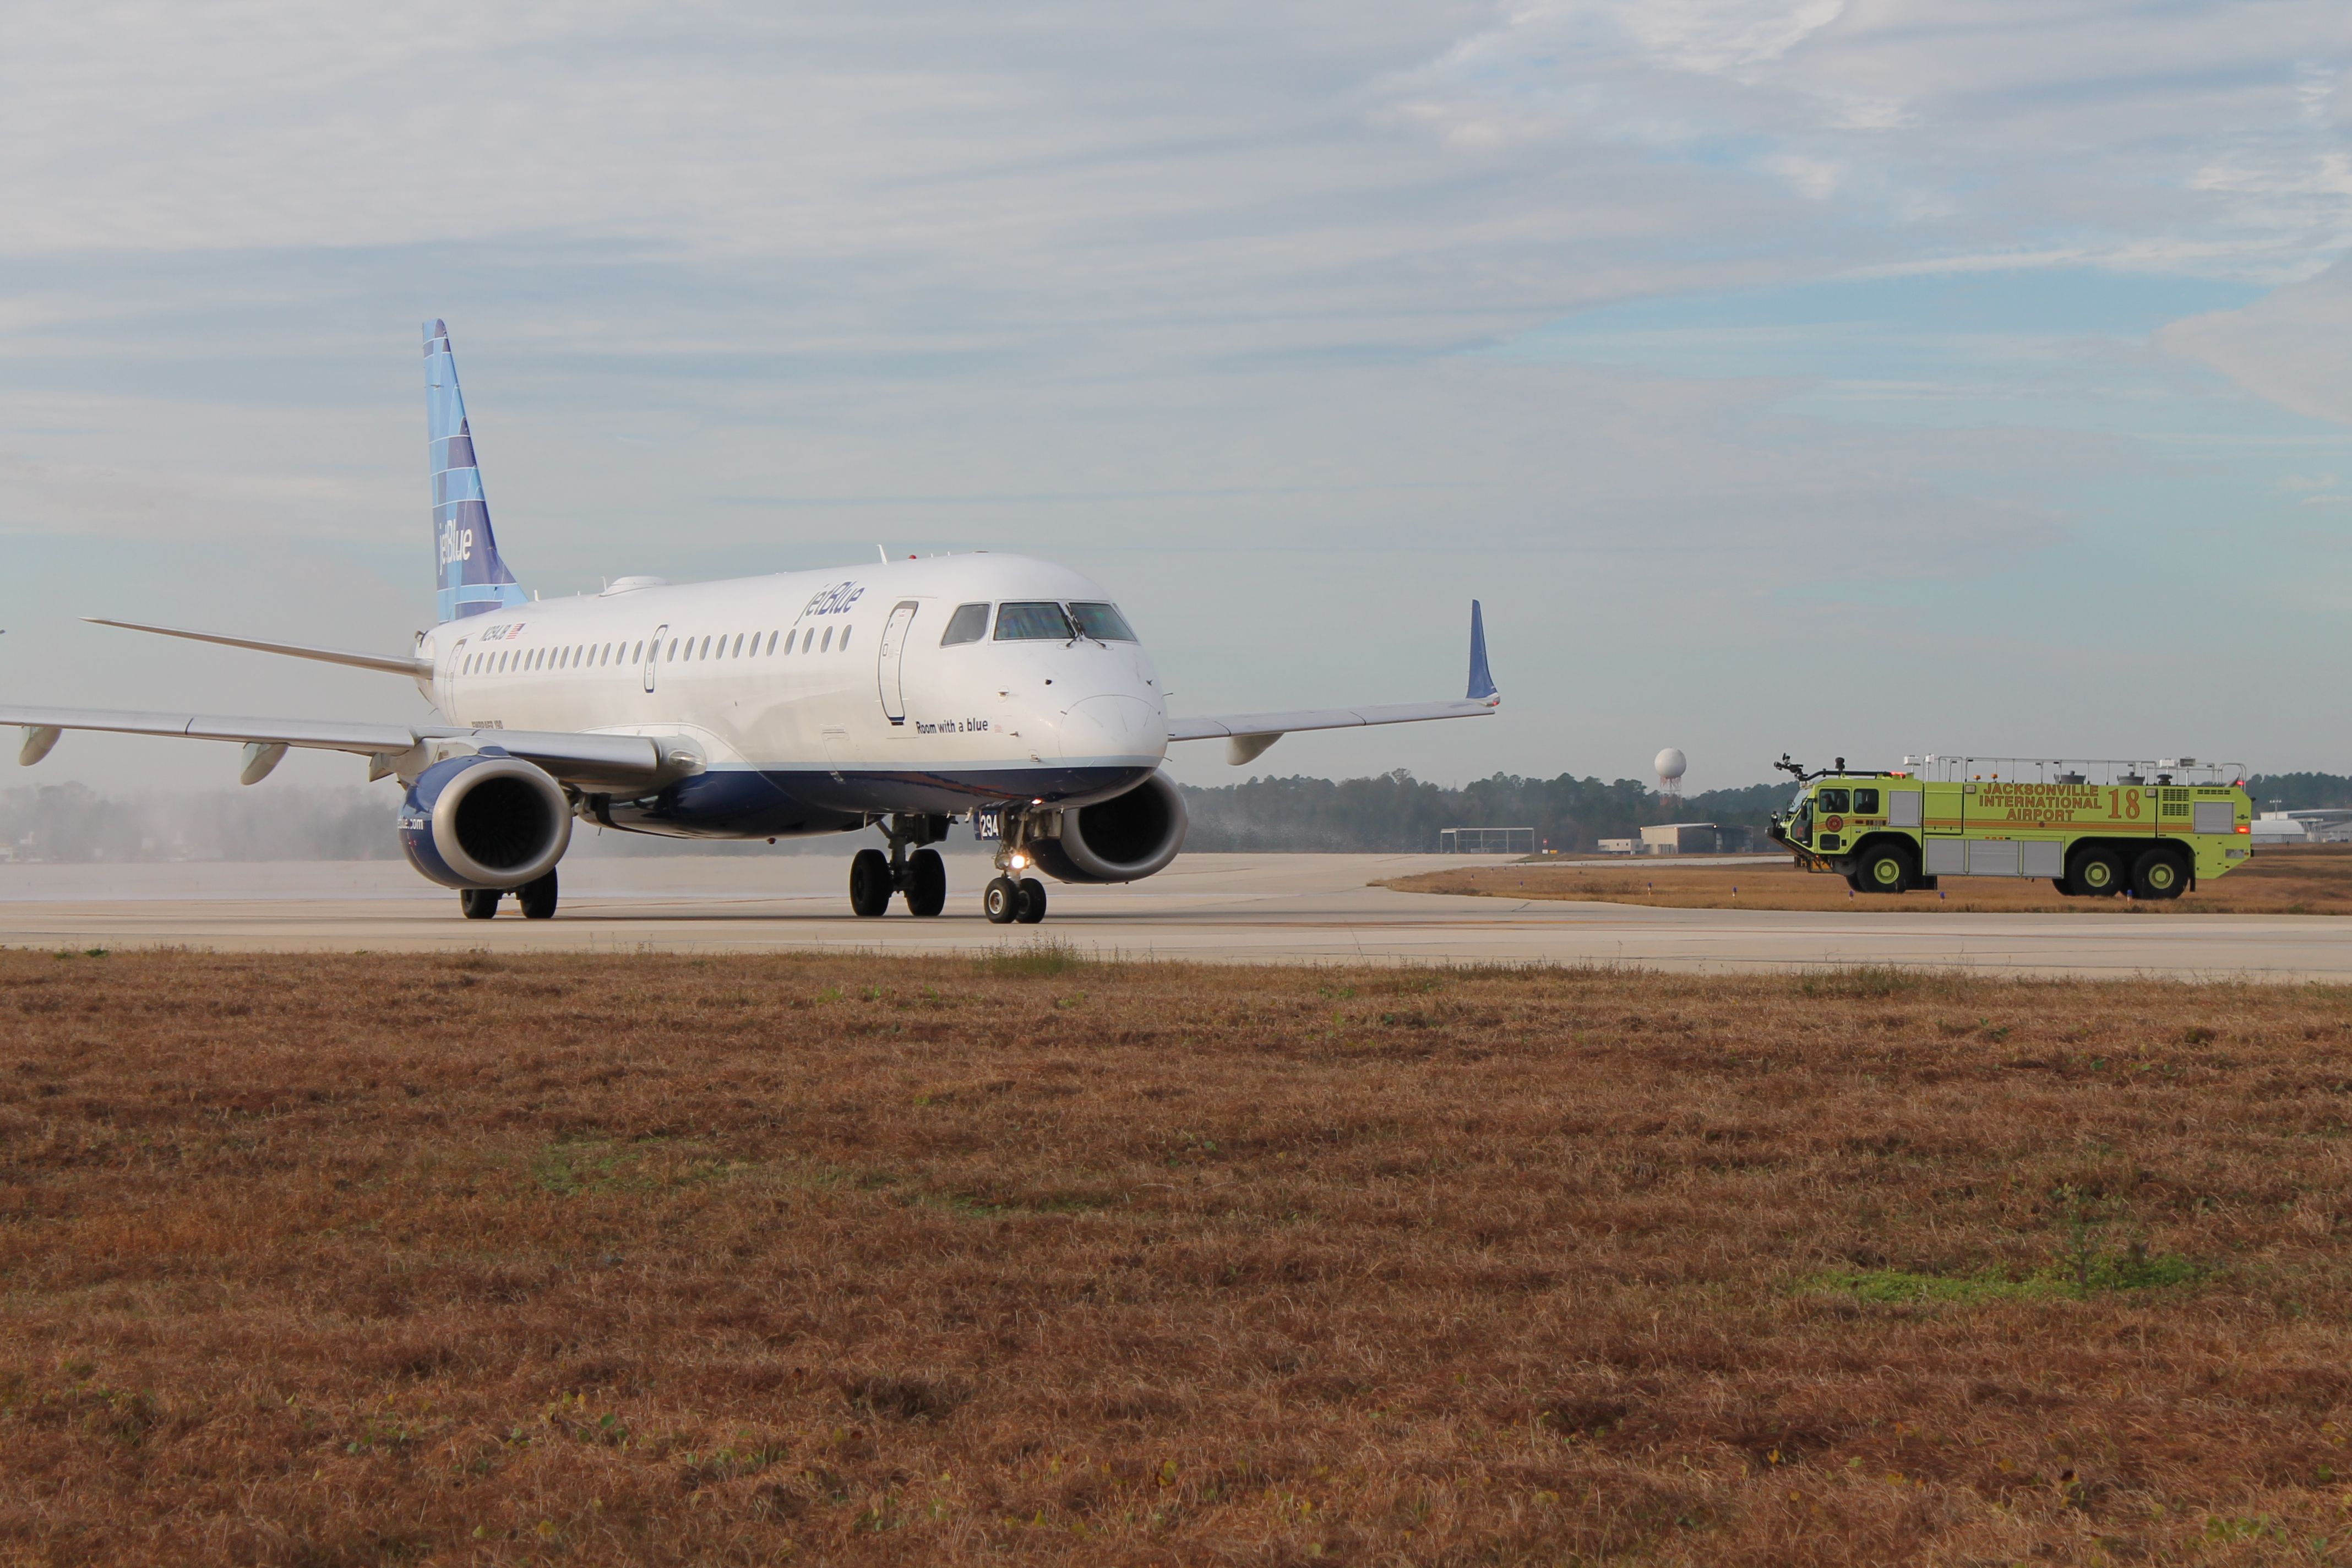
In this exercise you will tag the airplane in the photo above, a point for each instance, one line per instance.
(1005, 691)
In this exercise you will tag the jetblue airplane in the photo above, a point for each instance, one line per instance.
(901, 695)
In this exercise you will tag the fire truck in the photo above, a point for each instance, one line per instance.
(2095, 829)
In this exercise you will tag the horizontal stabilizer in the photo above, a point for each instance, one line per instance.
(393, 664)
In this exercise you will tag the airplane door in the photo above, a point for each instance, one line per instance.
(653, 653)
(892, 656)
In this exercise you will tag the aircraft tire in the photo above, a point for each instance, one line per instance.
(480, 903)
(1032, 902)
(1000, 901)
(538, 898)
(926, 883)
(2160, 874)
(869, 884)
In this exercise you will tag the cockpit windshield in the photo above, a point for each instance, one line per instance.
(1101, 622)
(1034, 621)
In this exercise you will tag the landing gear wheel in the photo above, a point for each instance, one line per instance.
(1032, 902)
(926, 883)
(2160, 874)
(480, 903)
(2097, 874)
(1885, 869)
(537, 899)
(869, 883)
(1002, 900)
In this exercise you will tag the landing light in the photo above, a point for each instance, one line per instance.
(1018, 861)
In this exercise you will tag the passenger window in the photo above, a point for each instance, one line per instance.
(1037, 621)
(1834, 801)
(1102, 622)
(807, 637)
(844, 637)
(772, 642)
(826, 646)
(1865, 803)
(638, 656)
(739, 646)
(671, 656)
(969, 624)
(706, 647)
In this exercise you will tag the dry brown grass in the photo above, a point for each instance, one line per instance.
(2314, 879)
(356, 1260)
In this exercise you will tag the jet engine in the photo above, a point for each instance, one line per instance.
(1123, 840)
(485, 822)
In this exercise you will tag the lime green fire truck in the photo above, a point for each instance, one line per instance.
(2094, 828)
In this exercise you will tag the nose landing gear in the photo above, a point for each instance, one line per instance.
(1007, 901)
(1009, 896)
(922, 875)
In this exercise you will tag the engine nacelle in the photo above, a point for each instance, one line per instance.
(485, 822)
(1123, 840)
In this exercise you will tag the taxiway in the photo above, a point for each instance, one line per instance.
(1281, 908)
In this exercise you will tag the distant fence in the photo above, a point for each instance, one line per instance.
(1486, 841)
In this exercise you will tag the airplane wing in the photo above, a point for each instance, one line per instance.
(395, 664)
(1247, 735)
(587, 760)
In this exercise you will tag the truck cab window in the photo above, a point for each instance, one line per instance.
(969, 624)
(1834, 801)
(1865, 803)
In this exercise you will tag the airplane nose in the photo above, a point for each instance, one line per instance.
(1113, 727)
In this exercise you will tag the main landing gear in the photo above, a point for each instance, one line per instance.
(922, 875)
(537, 899)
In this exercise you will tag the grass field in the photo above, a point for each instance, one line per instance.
(313, 1260)
(2314, 879)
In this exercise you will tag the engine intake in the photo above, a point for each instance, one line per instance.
(1123, 840)
(485, 822)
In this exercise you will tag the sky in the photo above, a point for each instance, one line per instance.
(1822, 376)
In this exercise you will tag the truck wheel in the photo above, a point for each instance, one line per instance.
(2160, 874)
(2096, 873)
(1885, 869)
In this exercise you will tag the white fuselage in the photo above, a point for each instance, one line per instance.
(831, 687)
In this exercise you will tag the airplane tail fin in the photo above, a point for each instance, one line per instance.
(473, 580)
(1482, 679)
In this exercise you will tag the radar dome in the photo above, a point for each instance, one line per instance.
(1671, 765)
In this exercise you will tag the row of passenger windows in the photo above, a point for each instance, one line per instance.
(1040, 620)
(741, 645)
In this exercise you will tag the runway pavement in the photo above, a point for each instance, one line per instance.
(1280, 908)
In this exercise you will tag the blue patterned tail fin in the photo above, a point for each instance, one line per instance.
(472, 579)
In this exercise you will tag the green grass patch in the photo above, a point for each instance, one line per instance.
(1046, 955)
(2129, 1270)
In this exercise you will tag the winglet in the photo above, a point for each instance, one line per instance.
(1482, 679)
